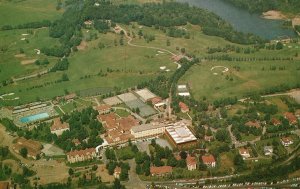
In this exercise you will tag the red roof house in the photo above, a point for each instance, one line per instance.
(81, 155)
(209, 160)
(160, 171)
(191, 163)
(275, 122)
(184, 108)
(253, 124)
(291, 118)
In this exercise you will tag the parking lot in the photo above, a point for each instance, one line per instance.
(143, 145)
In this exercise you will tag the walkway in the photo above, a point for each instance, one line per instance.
(134, 180)
(31, 76)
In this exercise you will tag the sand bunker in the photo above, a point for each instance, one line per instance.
(20, 55)
(224, 71)
(83, 45)
(26, 62)
(37, 51)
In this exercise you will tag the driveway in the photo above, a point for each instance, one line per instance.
(134, 180)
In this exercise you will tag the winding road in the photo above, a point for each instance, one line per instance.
(147, 47)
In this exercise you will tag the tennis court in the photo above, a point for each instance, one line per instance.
(145, 110)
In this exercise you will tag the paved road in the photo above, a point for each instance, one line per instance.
(134, 180)
(241, 144)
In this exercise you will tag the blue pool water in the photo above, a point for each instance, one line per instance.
(35, 117)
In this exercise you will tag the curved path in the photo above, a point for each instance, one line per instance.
(147, 47)
(31, 76)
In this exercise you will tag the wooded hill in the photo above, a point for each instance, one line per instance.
(288, 6)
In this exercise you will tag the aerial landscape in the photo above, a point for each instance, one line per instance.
(149, 94)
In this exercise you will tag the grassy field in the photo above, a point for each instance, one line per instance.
(122, 113)
(251, 77)
(119, 67)
(128, 66)
(11, 60)
(16, 12)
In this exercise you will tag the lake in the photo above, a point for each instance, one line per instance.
(242, 20)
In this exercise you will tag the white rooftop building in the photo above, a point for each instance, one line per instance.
(148, 130)
(183, 90)
(145, 94)
(180, 134)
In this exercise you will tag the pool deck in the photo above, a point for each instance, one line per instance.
(48, 109)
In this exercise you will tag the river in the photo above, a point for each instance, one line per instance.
(242, 20)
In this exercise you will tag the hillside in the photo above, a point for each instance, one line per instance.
(286, 6)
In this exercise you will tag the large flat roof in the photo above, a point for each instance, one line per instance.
(126, 97)
(145, 94)
(146, 127)
(181, 134)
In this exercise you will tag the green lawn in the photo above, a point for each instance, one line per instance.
(14, 12)
(124, 66)
(11, 65)
(58, 111)
(122, 113)
(128, 67)
(246, 138)
(125, 153)
(249, 78)
(268, 142)
(68, 107)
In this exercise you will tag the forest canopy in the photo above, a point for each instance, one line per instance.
(291, 6)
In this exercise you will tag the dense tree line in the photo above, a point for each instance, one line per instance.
(9, 125)
(61, 65)
(266, 5)
(111, 165)
(270, 173)
(30, 25)
(248, 59)
(166, 14)
(84, 127)
(157, 86)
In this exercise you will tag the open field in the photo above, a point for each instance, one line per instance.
(94, 70)
(11, 60)
(122, 113)
(198, 43)
(226, 163)
(249, 78)
(123, 66)
(16, 12)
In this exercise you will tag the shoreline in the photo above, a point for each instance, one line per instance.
(278, 15)
(274, 15)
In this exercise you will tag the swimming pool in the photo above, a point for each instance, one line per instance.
(35, 117)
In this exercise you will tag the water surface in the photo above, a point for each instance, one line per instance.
(242, 20)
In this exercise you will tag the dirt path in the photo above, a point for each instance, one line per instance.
(134, 180)
(97, 101)
(31, 76)
(293, 93)
(147, 47)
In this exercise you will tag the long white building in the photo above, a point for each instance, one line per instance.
(148, 130)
